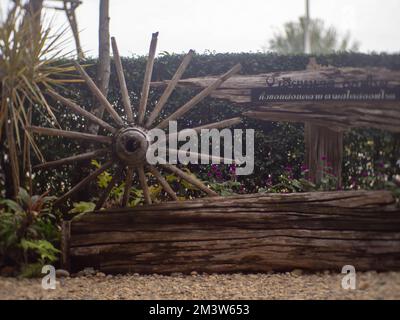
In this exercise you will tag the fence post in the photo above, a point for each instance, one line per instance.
(324, 152)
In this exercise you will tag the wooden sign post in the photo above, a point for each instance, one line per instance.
(328, 100)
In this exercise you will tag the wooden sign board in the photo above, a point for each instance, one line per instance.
(337, 97)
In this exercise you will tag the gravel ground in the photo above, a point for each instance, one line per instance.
(294, 285)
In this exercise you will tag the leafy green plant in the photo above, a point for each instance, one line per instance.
(226, 188)
(81, 208)
(30, 63)
(28, 231)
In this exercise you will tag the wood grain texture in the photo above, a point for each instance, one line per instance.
(338, 116)
(248, 233)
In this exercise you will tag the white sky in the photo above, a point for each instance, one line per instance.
(233, 25)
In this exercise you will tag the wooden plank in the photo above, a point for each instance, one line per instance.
(249, 233)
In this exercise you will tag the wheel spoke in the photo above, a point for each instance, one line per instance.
(147, 78)
(199, 97)
(170, 88)
(163, 182)
(79, 157)
(122, 83)
(202, 156)
(128, 185)
(192, 180)
(69, 134)
(104, 196)
(98, 94)
(84, 182)
(143, 183)
(79, 110)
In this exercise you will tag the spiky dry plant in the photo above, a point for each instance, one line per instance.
(30, 63)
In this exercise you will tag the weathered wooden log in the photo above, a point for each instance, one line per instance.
(336, 115)
(238, 88)
(249, 233)
(346, 112)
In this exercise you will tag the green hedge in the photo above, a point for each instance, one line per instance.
(278, 145)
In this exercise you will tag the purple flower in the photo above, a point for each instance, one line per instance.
(323, 158)
(289, 168)
(364, 173)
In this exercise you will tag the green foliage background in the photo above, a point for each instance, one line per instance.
(278, 145)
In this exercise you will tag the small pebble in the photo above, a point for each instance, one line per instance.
(297, 272)
(62, 273)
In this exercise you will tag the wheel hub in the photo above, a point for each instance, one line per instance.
(131, 144)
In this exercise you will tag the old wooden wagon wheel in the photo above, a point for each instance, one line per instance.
(127, 141)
